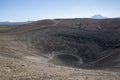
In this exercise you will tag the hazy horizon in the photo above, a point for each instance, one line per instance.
(32, 10)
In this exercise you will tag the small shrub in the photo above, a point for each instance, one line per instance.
(80, 25)
(98, 27)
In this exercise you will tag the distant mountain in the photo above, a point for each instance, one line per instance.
(14, 23)
(117, 17)
(98, 16)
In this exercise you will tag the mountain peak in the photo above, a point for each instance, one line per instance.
(98, 16)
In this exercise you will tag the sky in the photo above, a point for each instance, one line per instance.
(32, 10)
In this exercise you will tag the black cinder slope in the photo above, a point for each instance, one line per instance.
(68, 46)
